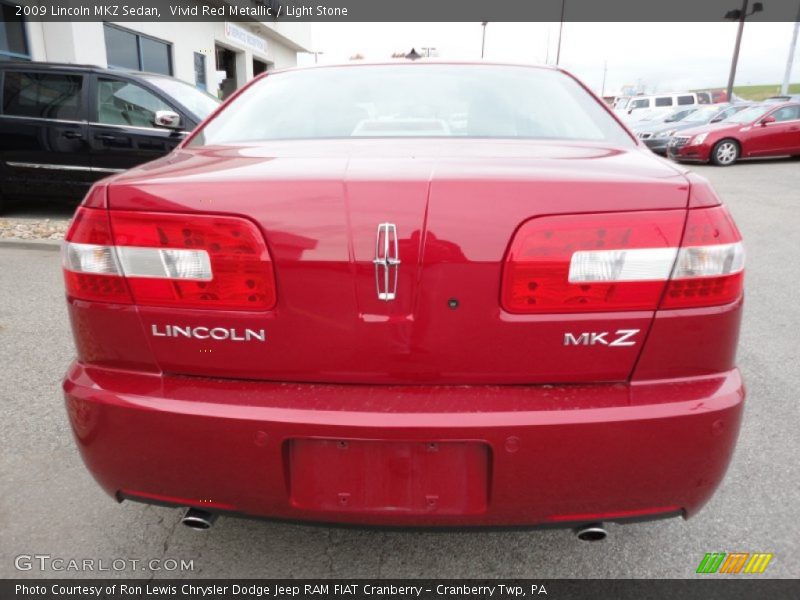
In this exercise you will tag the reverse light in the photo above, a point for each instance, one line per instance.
(168, 259)
(90, 258)
(709, 261)
(165, 263)
(644, 264)
(623, 261)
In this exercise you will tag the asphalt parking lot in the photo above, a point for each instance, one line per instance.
(50, 505)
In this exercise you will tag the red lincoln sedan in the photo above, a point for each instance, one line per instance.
(759, 131)
(424, 294)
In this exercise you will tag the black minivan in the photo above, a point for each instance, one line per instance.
(63, 127)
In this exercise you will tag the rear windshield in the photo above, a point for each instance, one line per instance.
(430, 101)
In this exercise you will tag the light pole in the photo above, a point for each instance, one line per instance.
(483, 37)
(739, 15)
(560, 30)
(790, 60)
(547, 48)
(316, 55)
(603, 87)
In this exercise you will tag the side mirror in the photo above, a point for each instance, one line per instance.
(767, 120)
(167, 119)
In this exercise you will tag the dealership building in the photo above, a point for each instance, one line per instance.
(215, 56)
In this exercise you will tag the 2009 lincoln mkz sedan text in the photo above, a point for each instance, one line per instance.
(407, 294)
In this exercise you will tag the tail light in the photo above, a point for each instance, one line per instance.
(709, 269)
(623, 261)
(168, 259)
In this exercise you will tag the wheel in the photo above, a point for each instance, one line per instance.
(725, 153)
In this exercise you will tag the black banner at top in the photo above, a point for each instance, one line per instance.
(404, 10)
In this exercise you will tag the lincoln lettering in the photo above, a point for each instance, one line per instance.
(209, 333)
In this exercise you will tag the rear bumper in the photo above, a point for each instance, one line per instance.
(532, 455)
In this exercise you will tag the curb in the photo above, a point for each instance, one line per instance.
(46, 245)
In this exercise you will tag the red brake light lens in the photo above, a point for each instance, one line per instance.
(168, 259)
(623, 261)
(241, 275)
(591, 263)
(709, 270)
(90, 265)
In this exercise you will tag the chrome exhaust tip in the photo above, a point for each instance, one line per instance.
(593, 532)
(198, 519)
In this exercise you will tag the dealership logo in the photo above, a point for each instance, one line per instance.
(734, 562)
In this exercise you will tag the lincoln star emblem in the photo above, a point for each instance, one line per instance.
(387, 261)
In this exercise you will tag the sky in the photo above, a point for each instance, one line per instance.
(659, 56)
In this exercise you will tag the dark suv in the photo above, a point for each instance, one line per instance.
(62, 127)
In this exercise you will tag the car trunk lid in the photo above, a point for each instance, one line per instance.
(327, 211)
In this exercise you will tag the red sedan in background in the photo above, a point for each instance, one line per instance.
(416, 294)
(760, 131)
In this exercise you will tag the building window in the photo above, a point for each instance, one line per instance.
(200, 71)
(43, 95)
(128, 50)
(13, 42)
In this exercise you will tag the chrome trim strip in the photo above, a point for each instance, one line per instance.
(5, 116)
(24, 165)
(387, 259)
(95, 124)
(107, 170)
(139, 128)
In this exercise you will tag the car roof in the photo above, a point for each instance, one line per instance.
(56, 66)
(20, 64)
(774, 105)
(661, 94)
